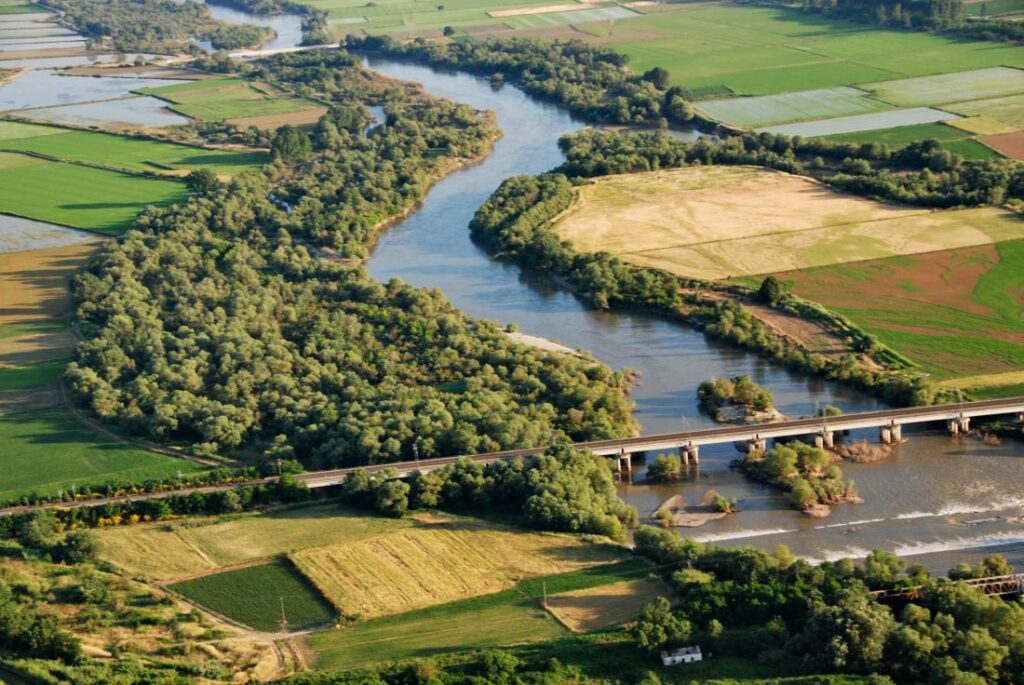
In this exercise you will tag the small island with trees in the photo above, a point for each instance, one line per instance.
(806, 473)
(737, 400)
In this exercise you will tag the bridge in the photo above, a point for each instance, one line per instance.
(992, 585)
(889, 422)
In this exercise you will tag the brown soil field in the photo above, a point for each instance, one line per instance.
(424, 566)
(720, 222)
(39, 54)
(306, 117)
(595, 608)
(522, 11)
(1009, 144)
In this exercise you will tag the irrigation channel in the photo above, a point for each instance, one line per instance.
(937, 497)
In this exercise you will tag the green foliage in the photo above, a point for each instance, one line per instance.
(291, 145)
(740, 391)
(202, 181)
(77, 547)
(27, 633)
(805, 472)
(772, 291)
(254, 596)
(658, 626)
(665, 467)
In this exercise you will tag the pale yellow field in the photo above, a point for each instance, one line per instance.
(163, 551)
(981, 125)
(522, 11)
(991, 380)
(608, 605)
(430, 565)
(720, 222)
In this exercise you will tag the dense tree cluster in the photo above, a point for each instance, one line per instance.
(944, 16)
(157, 25)
(589, 80)
(806, 473)
(214, 324)
(740, 391)
(26, 632)
(562, 490)
(315, 28)
(746, 602)
(515, 224)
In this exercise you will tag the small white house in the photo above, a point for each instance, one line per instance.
(683, 655)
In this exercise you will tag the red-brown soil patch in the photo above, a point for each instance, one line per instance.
(1010, 144)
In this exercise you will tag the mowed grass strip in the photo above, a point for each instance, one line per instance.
(956, 313)
(226, 98)
(904, 135)
(604, 606)
(514, 616)
(783, 108)
(422, 566)
(133, 154)
(944, 88)
(50, 451)
(254, 596)
(31, 376)
(80, 196)
(164, 551)
(720, 222)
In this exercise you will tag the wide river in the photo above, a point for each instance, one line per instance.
(937, 497)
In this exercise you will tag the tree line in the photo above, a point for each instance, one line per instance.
(939, 16)
(157, 25)
(216, 325)
(591, 80)
(562, 490)
(823, 619)
(315, 28)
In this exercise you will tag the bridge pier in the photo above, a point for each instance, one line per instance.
(757, 446)
(624, 463)
(958, 426)
(825, 440)
(689, 454)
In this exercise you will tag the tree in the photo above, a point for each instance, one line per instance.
(849, 635)
(202, 181)
(658, 76)
(772, 291)
(665, 467)
(448, 31)
(38, 529)
(78, 547)
(392, 499)
(658, 626)
(291, 145)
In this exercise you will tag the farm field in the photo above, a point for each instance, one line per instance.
(944, 88)
(423, 566)
(765, 50)
(956, 313)
(510, 617)
(1009, 144)
(95, 199)
(49, 450)
(903, 135)
(595, 608)
(863, 122)
(228, 99)
(133, 154)
(254, 596)
(767, 110)
(721, 222)
(1007, 110)
(162, 552)
(970, 149)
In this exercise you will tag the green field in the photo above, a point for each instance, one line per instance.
(31, 376)
(17, 7)
(944, 88)
(971, 149)
(991, 8)
(903, 135)
(765, 50)
(783, 108)
(96, 199)
(254, 596)
(48, 451)
(956, 313)
(504, 618)
(133, 154)
(225, 98)
(1008, 110)
(389, 16)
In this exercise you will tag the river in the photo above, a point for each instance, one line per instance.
(936, 497)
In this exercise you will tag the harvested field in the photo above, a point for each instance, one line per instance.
(955, 312)
(256, 596)
(721, 222)
(767, 110)
(1008, 110)
(21, 235)
(421, 567)
(226, 98)
(104, 201)
(1010, 144)
(863, 122)
(982, 126)
(944, 88)
(270, 122)
(521, 11)
(206, 544)
(583, 611)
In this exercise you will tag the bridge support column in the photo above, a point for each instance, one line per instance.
(897, 432)
(624, 463)
(689, 454)
(965, 424)
(958, 426)
(1020, 417)
(885, 434)
(757, 446)
(825, 440)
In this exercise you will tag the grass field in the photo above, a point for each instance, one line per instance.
(956, 313)
(406, 16)
(972, 149)
(764, 50)
(162, 551)
(48, 451)
(596, 608)
(227, 99)
(944, 88)
(1008, 110)
(254, 596)
(510, 617)
(766, 110)
(30, 375)
(875, 121)
(423, 566)
(96, 199)
(721, 222)
(133, 154)
(903, 135)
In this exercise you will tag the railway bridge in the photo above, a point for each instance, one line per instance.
(1012, 584)
(889, 422)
